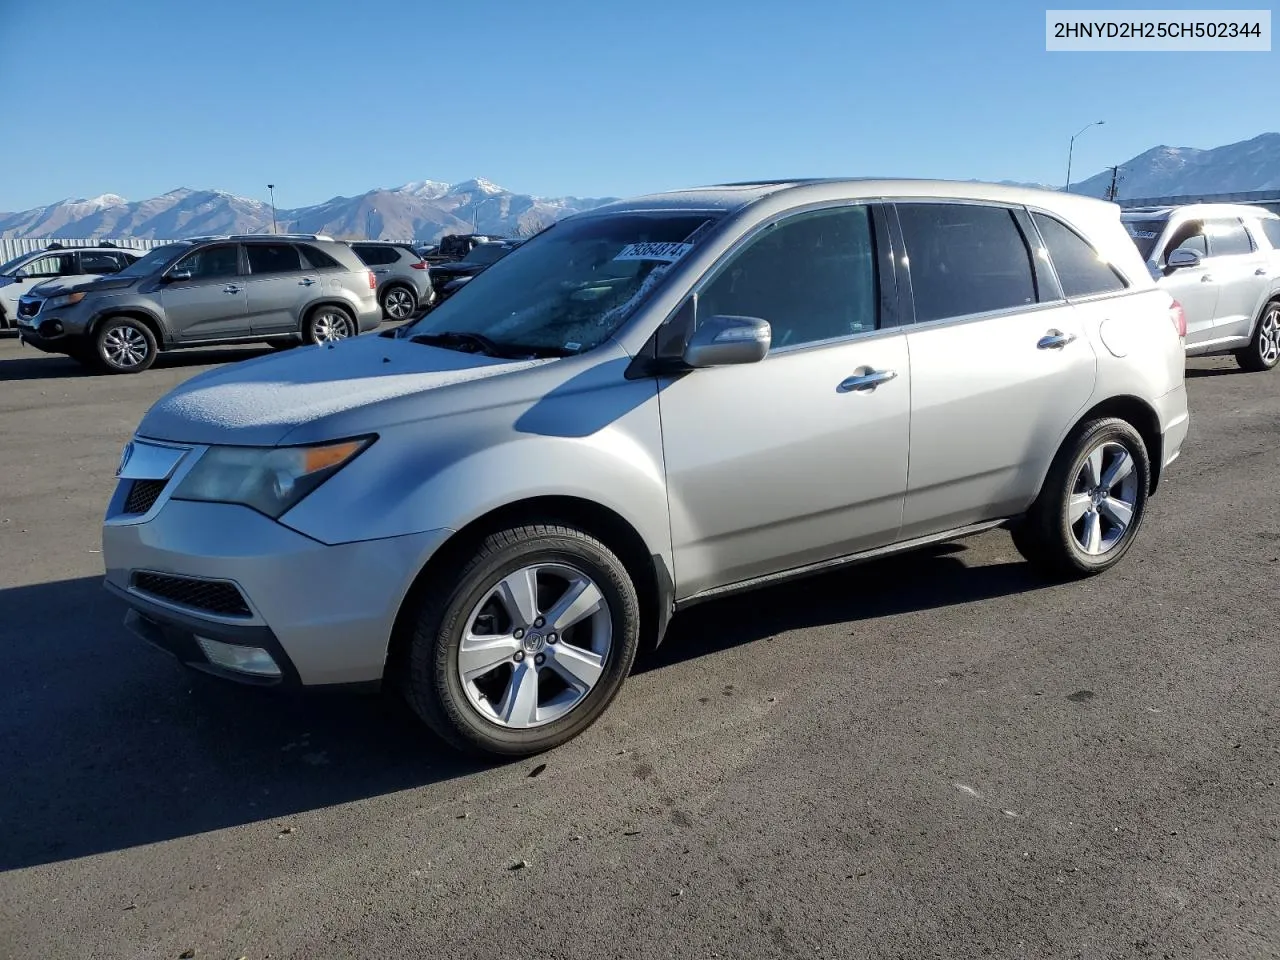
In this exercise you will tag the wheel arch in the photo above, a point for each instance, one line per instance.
(145, 317)
(652, 578)
(1138, 414)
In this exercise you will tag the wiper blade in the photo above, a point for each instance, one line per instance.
(458, 338)
(493, 348)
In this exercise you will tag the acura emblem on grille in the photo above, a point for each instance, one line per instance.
(124, 457)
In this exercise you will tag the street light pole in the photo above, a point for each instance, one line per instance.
(475, 213)
(1072, 147)
(272, 188)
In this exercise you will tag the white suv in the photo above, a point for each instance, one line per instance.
(1222, 263)
(21, 274)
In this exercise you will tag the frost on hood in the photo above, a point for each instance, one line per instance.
(274, 394)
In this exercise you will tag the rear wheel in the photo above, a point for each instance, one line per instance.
(399, 303)
(328, 324)
(526, 645)
(1263, 351)
(1092, 503)
(124, 345)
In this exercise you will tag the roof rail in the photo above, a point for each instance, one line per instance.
(55, 246)
(281, 236)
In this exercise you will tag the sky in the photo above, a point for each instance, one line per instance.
(580, 97)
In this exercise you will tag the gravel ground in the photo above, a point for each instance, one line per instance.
(932, 756)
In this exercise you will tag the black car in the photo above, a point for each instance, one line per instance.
(481, 256)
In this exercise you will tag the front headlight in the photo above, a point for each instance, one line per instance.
(66, 300)
(268, 479)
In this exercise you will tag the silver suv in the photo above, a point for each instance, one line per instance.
(404, 278)
(22, 274)
(1222, 263)
(648, 405)
(205, 291)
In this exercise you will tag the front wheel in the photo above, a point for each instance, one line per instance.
(328, 324)
(526, 645)
(124, 345)
(1263, 351)
(1092, 502)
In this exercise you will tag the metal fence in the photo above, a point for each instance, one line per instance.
(1270, 199)
(15, 247)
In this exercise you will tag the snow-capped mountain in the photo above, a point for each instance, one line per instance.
(421, 210)
(1173, 171)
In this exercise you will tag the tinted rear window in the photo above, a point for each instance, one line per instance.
(965, 258)
(1081, 271)
(374, 254)
(319, 259)
(273, 258)
(1144, 234)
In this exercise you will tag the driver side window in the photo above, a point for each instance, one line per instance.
(811, 276)
(211, 263)
(1190, 236)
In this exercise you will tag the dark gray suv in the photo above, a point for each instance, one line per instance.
(283, 290)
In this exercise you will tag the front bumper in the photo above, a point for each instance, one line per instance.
(50, 332)
(324, 612)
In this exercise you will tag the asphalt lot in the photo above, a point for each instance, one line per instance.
(933, 756)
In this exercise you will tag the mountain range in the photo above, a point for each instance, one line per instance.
(422, 210)
(425, 210)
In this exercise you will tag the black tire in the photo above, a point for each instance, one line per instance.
(399, 298)
(1263, 351)
(431, 681)
(124, 345)
(324, 317)
(1047, 536)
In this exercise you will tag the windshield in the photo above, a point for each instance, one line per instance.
(156, 260)
(568, 289)
(1144, 234)
(487, 253)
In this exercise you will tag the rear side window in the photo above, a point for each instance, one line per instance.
(374, 255)
(273, 258)
(1081, 271)
(1271, 228)
(965, 258)
(1227, 238)
(318, 259)
(100, 263)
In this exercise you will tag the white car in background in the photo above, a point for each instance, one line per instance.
(1220, 261)
(22, 274)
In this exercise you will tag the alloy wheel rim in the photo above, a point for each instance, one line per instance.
(399, 304)
(125, 346)
(535, 646)
(1104, 498)
(1269, 337)
(332, 326)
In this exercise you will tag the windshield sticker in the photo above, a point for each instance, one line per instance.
(575, 347)
(664, 252)
(1142, 234)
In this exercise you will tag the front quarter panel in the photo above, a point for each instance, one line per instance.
(595, 436)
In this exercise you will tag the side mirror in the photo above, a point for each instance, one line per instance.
(1182, 258)
(724, 341)
(177, 276)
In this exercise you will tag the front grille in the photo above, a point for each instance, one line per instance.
(212, 596)
(143, 495)
(29, 308)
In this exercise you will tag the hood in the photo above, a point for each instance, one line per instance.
(259, 402)
(54, 288)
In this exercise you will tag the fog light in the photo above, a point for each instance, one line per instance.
(252, 660)
(51, 328)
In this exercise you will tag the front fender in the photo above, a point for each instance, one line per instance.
(603, 446)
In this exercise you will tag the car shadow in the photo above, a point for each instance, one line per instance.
(110, 744)
(925, 579)
(50, 366)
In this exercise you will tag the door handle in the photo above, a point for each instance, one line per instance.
(306, 282)
(1055, 340)
(231, 288)
(1260, 272)
(1207, 278)
(380, 271)
(866, 381)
